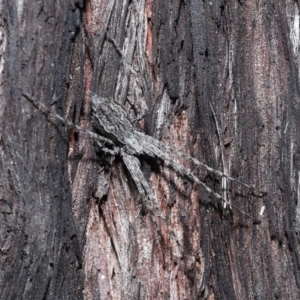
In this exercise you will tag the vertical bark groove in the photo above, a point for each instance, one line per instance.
(216, 80)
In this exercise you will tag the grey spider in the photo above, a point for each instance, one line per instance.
(112, 118)
(119, 137)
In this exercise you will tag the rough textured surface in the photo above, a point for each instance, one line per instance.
(40, 255)
(217, 80)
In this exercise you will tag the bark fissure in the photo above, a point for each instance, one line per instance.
(216, 80)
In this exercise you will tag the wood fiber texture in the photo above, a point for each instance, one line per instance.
(41, 257)
(217, 80)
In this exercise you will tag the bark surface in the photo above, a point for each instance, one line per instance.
(216, 80)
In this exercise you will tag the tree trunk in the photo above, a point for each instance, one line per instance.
(218, 81)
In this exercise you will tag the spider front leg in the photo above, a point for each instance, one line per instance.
(176, 153)
(153, 151)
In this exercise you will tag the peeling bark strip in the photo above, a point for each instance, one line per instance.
(217, 80)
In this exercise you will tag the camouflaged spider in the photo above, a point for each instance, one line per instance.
(119, 137)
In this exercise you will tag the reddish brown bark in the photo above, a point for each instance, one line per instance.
(73, 224)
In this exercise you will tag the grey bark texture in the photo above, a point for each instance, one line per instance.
(217, 80)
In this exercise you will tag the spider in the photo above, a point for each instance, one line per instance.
(119, 137)
(113, 121)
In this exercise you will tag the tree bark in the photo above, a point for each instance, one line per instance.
(216, 80)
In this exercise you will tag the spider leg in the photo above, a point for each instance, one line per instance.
(150, 140)
(45, 110)
(152, 151)
(133, 166)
